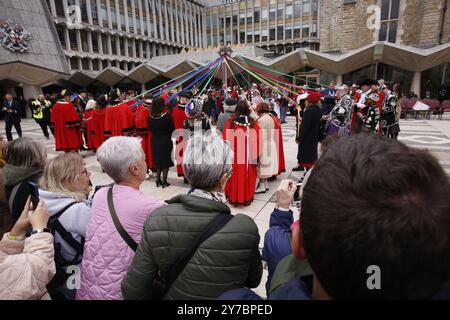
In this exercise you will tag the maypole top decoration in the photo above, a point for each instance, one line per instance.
(225, 51)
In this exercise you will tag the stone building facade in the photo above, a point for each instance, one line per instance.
(417, 23)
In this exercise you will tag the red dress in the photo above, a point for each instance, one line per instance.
(119, 121)
(240, 188)
(280, 145)
(142, 130)
(67, 123)
(179, 116)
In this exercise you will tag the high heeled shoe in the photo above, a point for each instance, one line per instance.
(165, 184)
(159, 183)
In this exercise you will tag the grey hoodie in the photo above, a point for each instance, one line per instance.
(74, 220)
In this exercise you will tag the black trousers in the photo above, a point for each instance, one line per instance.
(45, 124)
(8, 126)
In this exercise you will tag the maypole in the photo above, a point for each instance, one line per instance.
(225, 52)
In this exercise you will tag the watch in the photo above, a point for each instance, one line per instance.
(41, 231)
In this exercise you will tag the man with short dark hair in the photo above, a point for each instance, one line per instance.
(371, 230)
(12, 111)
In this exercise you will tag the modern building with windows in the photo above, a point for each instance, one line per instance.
(277, 26)
(125, 33)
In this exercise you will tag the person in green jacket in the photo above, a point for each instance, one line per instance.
(228, 259)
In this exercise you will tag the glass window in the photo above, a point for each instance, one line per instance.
(280, 13)
(392, 32)
(297, 9)
(383, 31)
(113, 45)
(385, 9)
(272, 34)
(264, 35)
(305, 31)
(395, 8)
(289, 11)
(249, 16)
(265, 14)
(249, 36)
(297, 32)
(280, 32)
(74, 63)
(257, 15)
(235, 18)
(306, 7)
(288, 32)
(257, 36)
(314, 29)
(61, 36)
(242, 18)
(272, 13)
(242, 37)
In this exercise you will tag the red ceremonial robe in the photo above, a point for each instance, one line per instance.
(179, 116)
(96, 128)
(240, 188)
(119, 121)
(280, 145)
(66, 121)
(142, 130)
(89, 117)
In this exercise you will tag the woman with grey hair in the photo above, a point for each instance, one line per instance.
(25, 161)
(227, 255)
(106, 252)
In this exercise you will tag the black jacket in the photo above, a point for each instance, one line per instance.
(15, 107)
(309, 135)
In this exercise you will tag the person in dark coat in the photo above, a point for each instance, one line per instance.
(12, 111)
(309, 133)
(161, 126)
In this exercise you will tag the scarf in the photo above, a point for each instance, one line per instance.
(215, 196)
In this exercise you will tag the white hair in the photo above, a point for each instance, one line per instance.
(117, 154)
(206, 159)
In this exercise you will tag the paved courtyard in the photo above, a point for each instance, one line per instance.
(433, 135)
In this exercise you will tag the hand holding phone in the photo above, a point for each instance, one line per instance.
(34, 194)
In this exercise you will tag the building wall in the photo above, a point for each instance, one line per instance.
(344, 26)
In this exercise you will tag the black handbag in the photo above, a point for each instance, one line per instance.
(164, 280)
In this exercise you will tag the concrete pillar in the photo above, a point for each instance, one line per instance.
(80, 47)
(53, 8)
(339, 79)
(143, 88)
(89, 12)
(416, 83)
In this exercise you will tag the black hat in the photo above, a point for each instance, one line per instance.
(231, 102)
(185, 94)
(114, 95)
(102, 100)
(65, 93)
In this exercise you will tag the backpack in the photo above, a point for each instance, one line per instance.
(61, 263)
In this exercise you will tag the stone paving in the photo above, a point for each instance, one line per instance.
(433, 135)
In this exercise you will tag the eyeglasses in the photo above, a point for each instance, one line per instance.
(87, 173)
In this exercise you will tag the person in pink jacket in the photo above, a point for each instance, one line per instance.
(27, 264)
(106, 254)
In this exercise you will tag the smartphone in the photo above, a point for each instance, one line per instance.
(297, 197)
(34, 193)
